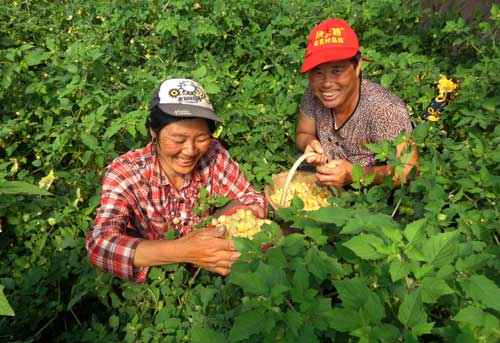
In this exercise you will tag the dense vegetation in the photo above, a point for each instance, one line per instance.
(415, 265)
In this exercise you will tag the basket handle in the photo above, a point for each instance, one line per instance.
(290, 175)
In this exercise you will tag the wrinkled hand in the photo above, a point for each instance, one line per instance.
(206, 248)
(336, 173)
(320, 157)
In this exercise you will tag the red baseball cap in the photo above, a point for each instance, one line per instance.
(331, 40)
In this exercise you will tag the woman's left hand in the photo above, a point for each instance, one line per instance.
(336, 173)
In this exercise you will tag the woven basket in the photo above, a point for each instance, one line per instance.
(279, 183)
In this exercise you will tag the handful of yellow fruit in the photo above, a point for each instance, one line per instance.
(242, 223)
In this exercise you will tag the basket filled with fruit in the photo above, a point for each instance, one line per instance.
(301, 183)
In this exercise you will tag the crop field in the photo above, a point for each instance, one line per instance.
(416, 264)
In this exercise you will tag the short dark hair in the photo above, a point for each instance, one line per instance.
(157, 119)
(355, 60)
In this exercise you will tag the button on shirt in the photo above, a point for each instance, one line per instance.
(139, 202)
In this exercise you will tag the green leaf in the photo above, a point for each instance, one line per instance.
(415, 231)
(357, 172)
(114, 321)
(357, 296)
(433, 288)
(205, 335)
(36, 56)
(386, 80)
(20, 187)
(344, 320)
(89, 140)
(411, 311)
(365, 246)
(246, 324)
(482, 290)
(420, 132)
(5, 309)
(471, 315)
(331, 215)
(440, 249)
(300, 278)
(398, 270)
(200, 72)
(293, 244)
(251, 283)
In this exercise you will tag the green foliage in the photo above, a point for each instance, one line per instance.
(415, 264)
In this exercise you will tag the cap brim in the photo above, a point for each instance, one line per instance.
(188, 111)
(326, 55)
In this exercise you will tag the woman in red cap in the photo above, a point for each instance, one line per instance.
(149, 191)
(341, 111)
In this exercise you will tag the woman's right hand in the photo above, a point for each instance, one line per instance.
(320, 157)
(208, 249)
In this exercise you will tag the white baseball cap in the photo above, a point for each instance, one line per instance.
(183, 98)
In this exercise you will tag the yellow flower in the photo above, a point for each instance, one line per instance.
(446, 85)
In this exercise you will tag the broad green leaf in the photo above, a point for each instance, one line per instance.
(251, 283)
(316, 233)
(200, 72)
(415, 231)
(206, 295)
(398, 270)
(411, 311)
(89, 140)
(420, 132)
(115, 127)
(5, 309)
(20, 187)
(293, 244)
(246, 324)
(114, 321)
(320, 264)
(206, 335)
(294, 321)
(357, 172)
(343, 319)
(300, 278)
(441, 249)
(386, 80)
(272, 275)
(434, 288)
(331, 215)
(357, 296)
(363, 220)
(164, 314)
(36, 56)
(471, 315)
(386, 333)
(365, 246)
(422, 328)
(392, 233)
(352, 292)
(482, 290)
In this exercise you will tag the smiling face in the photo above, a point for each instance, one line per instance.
(336, 84)
(181, 145)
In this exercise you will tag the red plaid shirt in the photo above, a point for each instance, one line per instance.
(139, 202)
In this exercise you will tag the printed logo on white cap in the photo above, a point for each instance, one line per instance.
(182, 91)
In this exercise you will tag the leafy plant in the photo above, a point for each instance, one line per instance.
(415, 264)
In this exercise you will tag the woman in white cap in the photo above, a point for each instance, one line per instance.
(154, 189)
(341, 112)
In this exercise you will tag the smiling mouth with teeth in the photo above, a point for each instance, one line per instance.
(329, 94)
